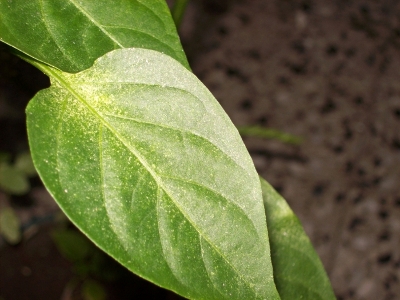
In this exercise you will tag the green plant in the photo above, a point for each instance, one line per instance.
(141, 157)
(14, 180)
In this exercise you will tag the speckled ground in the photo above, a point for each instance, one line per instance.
(328, 71)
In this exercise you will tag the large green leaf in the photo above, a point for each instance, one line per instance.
(298, 272)
(142, 158)
(71, 34)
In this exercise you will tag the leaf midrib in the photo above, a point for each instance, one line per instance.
(52, 74)
(108, 34)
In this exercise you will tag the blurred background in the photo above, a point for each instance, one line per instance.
(325, 71)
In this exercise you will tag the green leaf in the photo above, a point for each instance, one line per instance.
(142, 158)
(10, 225)
(298, 272)
(71, 34)
(12, 180)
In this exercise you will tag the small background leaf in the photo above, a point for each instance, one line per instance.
(12, 180)
(88, 260)
(91, 290)
(10, 225)
(71, 244)
(24, 164)
(298, 271)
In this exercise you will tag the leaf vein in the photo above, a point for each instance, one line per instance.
(179, 130)
(160, 234)
(100, 26)
(46, 24)
(142, 32)
(212, 191)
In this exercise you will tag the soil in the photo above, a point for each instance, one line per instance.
(327, 71)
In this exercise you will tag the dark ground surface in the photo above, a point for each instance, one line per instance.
(328, 71)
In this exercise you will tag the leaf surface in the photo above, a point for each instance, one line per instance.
(71, 34)
(298, 271)
(143, 159)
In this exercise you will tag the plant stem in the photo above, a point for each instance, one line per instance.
(269, 133)
(178, 10)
